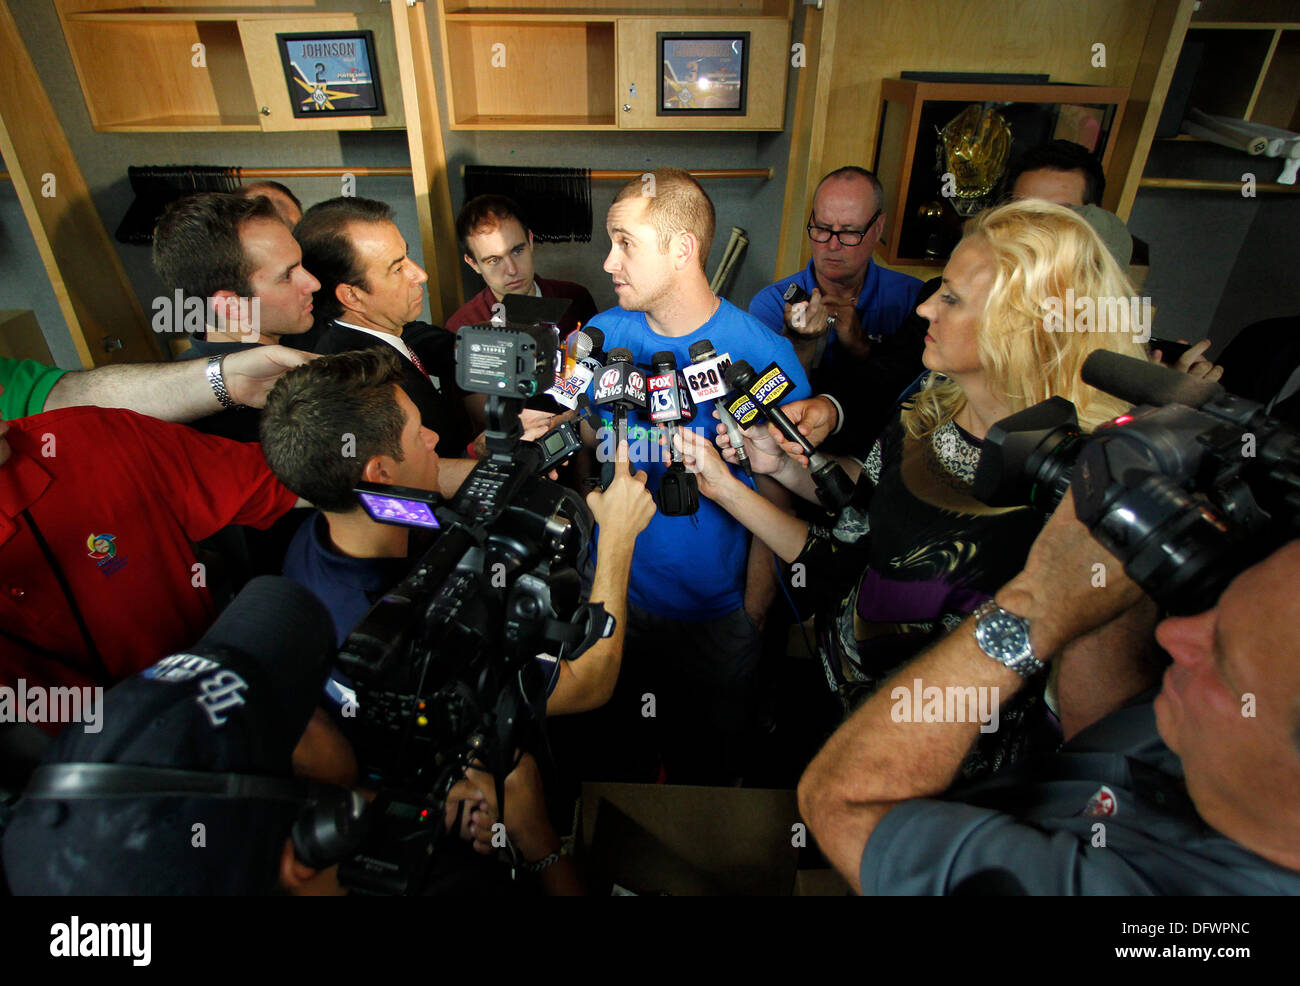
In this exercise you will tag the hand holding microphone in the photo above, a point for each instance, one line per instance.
(701, 457)
(764, 455)
(755, 397)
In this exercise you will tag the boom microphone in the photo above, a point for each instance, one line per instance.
(756, 397)
(1139, 382)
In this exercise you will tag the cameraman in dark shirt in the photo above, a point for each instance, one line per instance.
(1206, 807)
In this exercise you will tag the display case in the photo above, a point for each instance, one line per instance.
(923, 210)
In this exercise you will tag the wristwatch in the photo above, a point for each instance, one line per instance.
(217, 383)
(1004, 637)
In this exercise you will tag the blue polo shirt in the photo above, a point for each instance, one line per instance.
(691, 568)
(886, 299)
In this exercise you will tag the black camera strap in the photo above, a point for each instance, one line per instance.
(100, 672)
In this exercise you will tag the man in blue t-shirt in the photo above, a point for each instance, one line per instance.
(698, 593)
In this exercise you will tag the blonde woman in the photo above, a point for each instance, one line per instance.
(914, 552)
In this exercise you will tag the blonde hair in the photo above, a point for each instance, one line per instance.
(675, 204)
(1044, 256)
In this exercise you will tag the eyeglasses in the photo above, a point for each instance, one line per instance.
(847, 237)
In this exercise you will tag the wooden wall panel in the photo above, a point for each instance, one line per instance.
(85, 271)
(861, 42)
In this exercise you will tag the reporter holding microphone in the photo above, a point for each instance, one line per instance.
(914, 552)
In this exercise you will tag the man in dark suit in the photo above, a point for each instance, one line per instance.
(371, 295)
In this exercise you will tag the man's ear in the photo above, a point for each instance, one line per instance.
(346, 295)
(228, 311)
(294, 873)
(685, 246)
(472, 265)
(379, 469)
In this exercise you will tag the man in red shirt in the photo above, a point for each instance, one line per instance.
(499, 248)
(98, 512)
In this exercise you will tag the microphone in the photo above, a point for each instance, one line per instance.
(1139, 382)
(595, 357)
(756, 397)
(579, 369)
(684, 395)
(700, 352)
(679, 491)
(622, 386)
(579, 346)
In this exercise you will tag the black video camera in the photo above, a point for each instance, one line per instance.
(453, 666)
(1189, 488)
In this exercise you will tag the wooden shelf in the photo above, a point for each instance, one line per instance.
(1248, 13)
(183, 124)
(1248, 69)
(531, 18)
(561, 66)
(137, 72)
(561, 70)
(136, 15)
(1243, 25)
(538, 122)
(1205, 185)
(500, 9)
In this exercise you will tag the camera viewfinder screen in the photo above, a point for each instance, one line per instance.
(395, 510)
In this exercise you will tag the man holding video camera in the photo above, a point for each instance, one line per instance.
(1188, 791)
(345, 419)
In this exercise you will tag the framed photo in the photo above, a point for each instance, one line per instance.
(703, 73)
(332, 73)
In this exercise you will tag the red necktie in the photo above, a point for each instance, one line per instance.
(415, 359)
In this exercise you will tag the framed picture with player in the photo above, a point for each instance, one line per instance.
(703, 73)
(332, 73)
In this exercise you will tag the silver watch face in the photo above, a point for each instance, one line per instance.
(1004, 637)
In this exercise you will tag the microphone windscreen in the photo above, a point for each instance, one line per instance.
(1139, 382)
(701, 351)
(664, 360)
(620, 355)
(738, 375)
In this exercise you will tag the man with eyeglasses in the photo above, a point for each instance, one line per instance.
(847, 310)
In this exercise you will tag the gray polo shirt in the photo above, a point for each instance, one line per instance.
(1106, 815)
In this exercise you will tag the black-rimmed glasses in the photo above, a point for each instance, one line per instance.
(847, 237)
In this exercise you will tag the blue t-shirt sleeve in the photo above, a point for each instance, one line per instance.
(784, 356)
(768, 307)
